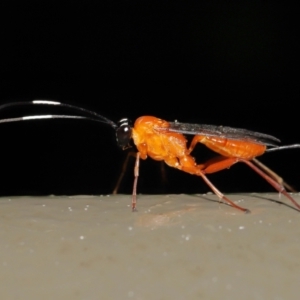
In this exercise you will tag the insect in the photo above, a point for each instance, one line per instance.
(165, 141)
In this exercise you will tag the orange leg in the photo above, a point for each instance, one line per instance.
(220, 163)
(124, 168)
(221, 196)
(188, 165)
(217, 164)
(196, 139)
(136, 175)
(211, 166)
(275, 176)
(271, 181)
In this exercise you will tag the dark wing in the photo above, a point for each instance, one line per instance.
(223, 131)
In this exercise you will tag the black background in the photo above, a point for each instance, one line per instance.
(228, 64)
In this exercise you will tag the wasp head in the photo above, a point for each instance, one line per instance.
(123, 133)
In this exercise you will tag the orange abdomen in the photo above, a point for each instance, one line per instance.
(234, 148)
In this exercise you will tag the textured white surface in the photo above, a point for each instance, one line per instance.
(174, 247)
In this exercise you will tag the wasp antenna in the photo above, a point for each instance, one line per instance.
(294, 146)
(73, 107)
(43, 117)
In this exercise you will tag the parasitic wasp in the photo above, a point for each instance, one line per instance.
(166, 141)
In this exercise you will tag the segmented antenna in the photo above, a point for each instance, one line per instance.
(28, 118)
(43, 117)
(93, 116)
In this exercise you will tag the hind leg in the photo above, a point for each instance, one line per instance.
(187, 164)
(271, 181)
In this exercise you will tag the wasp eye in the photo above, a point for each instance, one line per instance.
(123, 133)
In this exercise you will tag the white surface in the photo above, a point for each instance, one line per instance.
(174, 247)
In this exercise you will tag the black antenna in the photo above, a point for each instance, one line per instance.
(43, 117)
(95, 115)
(123, 129)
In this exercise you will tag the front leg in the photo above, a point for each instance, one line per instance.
(142, 153)
(136, 175)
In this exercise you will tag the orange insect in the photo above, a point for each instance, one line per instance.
(165, 141)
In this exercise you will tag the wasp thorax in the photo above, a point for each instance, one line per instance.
(123, 133)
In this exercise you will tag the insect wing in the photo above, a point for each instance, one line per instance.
(223, 132)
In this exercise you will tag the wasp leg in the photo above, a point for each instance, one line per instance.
(273, 175)
(188, 165)
(271, 181)
(217, 164)
(221, 196)
(124, 168)
(196, 139)
(136, 176)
